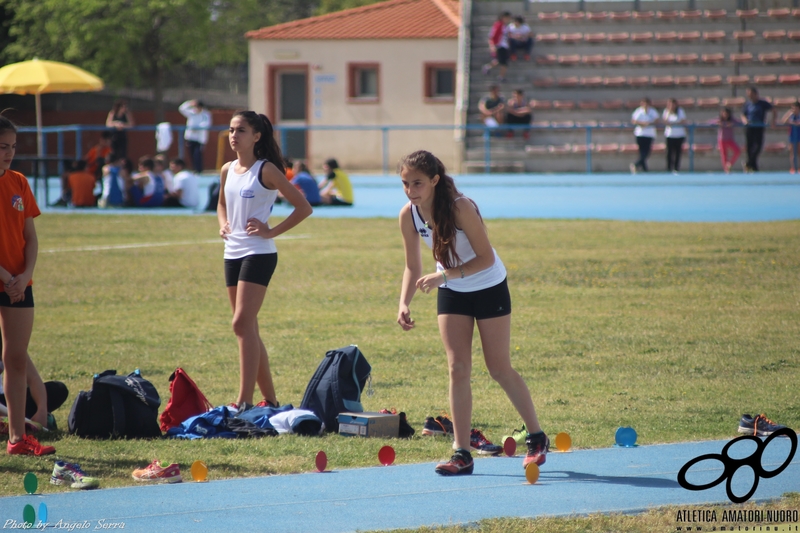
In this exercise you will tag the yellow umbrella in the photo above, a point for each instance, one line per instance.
(38, 76)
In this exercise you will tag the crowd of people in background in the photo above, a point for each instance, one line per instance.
(756, 115)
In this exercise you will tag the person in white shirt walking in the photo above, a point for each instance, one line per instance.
(674, 118)
(198, 120)
(644, 118)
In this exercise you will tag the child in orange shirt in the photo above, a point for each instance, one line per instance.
(18, 250)
(97, 155)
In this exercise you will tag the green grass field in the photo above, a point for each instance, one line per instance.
(674, 329)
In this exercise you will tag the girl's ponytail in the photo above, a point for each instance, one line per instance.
(266, 147)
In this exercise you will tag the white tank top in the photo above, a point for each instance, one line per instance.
(482, 280)
(246, 198)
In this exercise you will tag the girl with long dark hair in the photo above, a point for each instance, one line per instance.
(472, 289)
(248, 189)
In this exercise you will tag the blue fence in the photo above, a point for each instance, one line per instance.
(486, 132)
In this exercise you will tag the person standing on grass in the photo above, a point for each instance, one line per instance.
(472, 288)
(792, 118)
(18, 250)
(248, 189)
(644, 118)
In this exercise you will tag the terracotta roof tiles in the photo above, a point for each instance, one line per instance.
(394, 19)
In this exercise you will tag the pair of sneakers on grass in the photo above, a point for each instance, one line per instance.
(461, 462)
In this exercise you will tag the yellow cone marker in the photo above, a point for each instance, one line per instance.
(563, 442)
(199, 471)
(532, 473)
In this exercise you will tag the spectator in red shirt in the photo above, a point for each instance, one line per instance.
(499, 46)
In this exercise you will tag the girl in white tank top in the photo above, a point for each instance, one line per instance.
(248, 188)
(470, 278)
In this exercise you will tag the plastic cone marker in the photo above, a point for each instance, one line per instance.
(321, 461)
(626, 437)
(29, 515)
(43, 512)
(30, 483)
(199, 471)
(386, 455)
(532, 473)
(510, 446)
(563, 442)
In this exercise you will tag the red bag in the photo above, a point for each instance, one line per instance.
(185, 400)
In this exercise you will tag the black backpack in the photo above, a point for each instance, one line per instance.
(116, 407)
(336, 385)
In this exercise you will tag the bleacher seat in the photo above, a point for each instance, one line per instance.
(686, 59)
(659, 102)
(791, 57)
(765, 79)
(710, 81)
(547, 38)
(713, 58)
(770, 57)
(597, 16)
(664, 59)
(789, 79)
(691, 14)
(549, 17)
(541, 123)
(617, 81)
(744, 35)
(594, 38)
(686, 81)
(616, 59)
(559, 149)
(612, 104)
(618, 37)
(688, 36)
(662, 81)
(774, 35)
(540, 104)
(747, 13)
(794, 35)
(775, 147)
(796, 12)
(779, 13)
(563, 104)
(640, 59)
(629, 148)
(666, 36)
(564, 124)
(570, 38)
(733, 101)
(742, 79)
(659, 148)
(573, 15)
(569, 59)
(547, 59)
(784, 101)
(639, 81)
(632, 104)
(591, 81)
(702, 148)
(715, 14)
(685, 102)
(543, 82)
(642, 37)
(568, 81)
(707, 102)
(594, 59)
(619, 16)
(537, 149)
(580, 148)
(714, 36)
(743, 57)
(607, 148)
(611, 124)
(667, 15)
(643, 15)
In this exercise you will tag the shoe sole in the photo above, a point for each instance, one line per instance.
(75, 484)
(462, 472)
(494, 450)
(173, 479)
(434, 433)
(749, 431)
(538, 463)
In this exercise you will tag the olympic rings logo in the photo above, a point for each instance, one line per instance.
(732, 465)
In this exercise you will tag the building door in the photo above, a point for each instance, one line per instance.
(291, 109)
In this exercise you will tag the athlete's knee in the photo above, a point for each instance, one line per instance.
(243, 325)
(460, 370)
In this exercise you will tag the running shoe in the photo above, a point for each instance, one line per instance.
(267, 403)
(64, 473)
(760, 426)
(459, 464)
(537, 443)
(518, 435)
(479, 443)
(156, 473)
(28, 445)
(441, 425)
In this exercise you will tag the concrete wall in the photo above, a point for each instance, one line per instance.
(401, 96)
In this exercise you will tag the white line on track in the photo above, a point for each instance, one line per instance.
(152, 245)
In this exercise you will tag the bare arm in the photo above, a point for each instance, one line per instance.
(273, 178)
(16, 289)
(412, 270)
(222, 207)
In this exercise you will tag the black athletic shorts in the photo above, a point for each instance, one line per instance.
(256, 268)
(485, 303)
(502, 56)
(5, 301)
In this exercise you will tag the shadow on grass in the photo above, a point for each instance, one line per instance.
(646, 482)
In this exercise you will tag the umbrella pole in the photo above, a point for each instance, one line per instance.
(40, 148)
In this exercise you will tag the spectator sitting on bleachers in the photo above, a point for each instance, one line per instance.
(518, 112)
(492, 107)
(147, 189)
(499, 46)
(520, 38)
